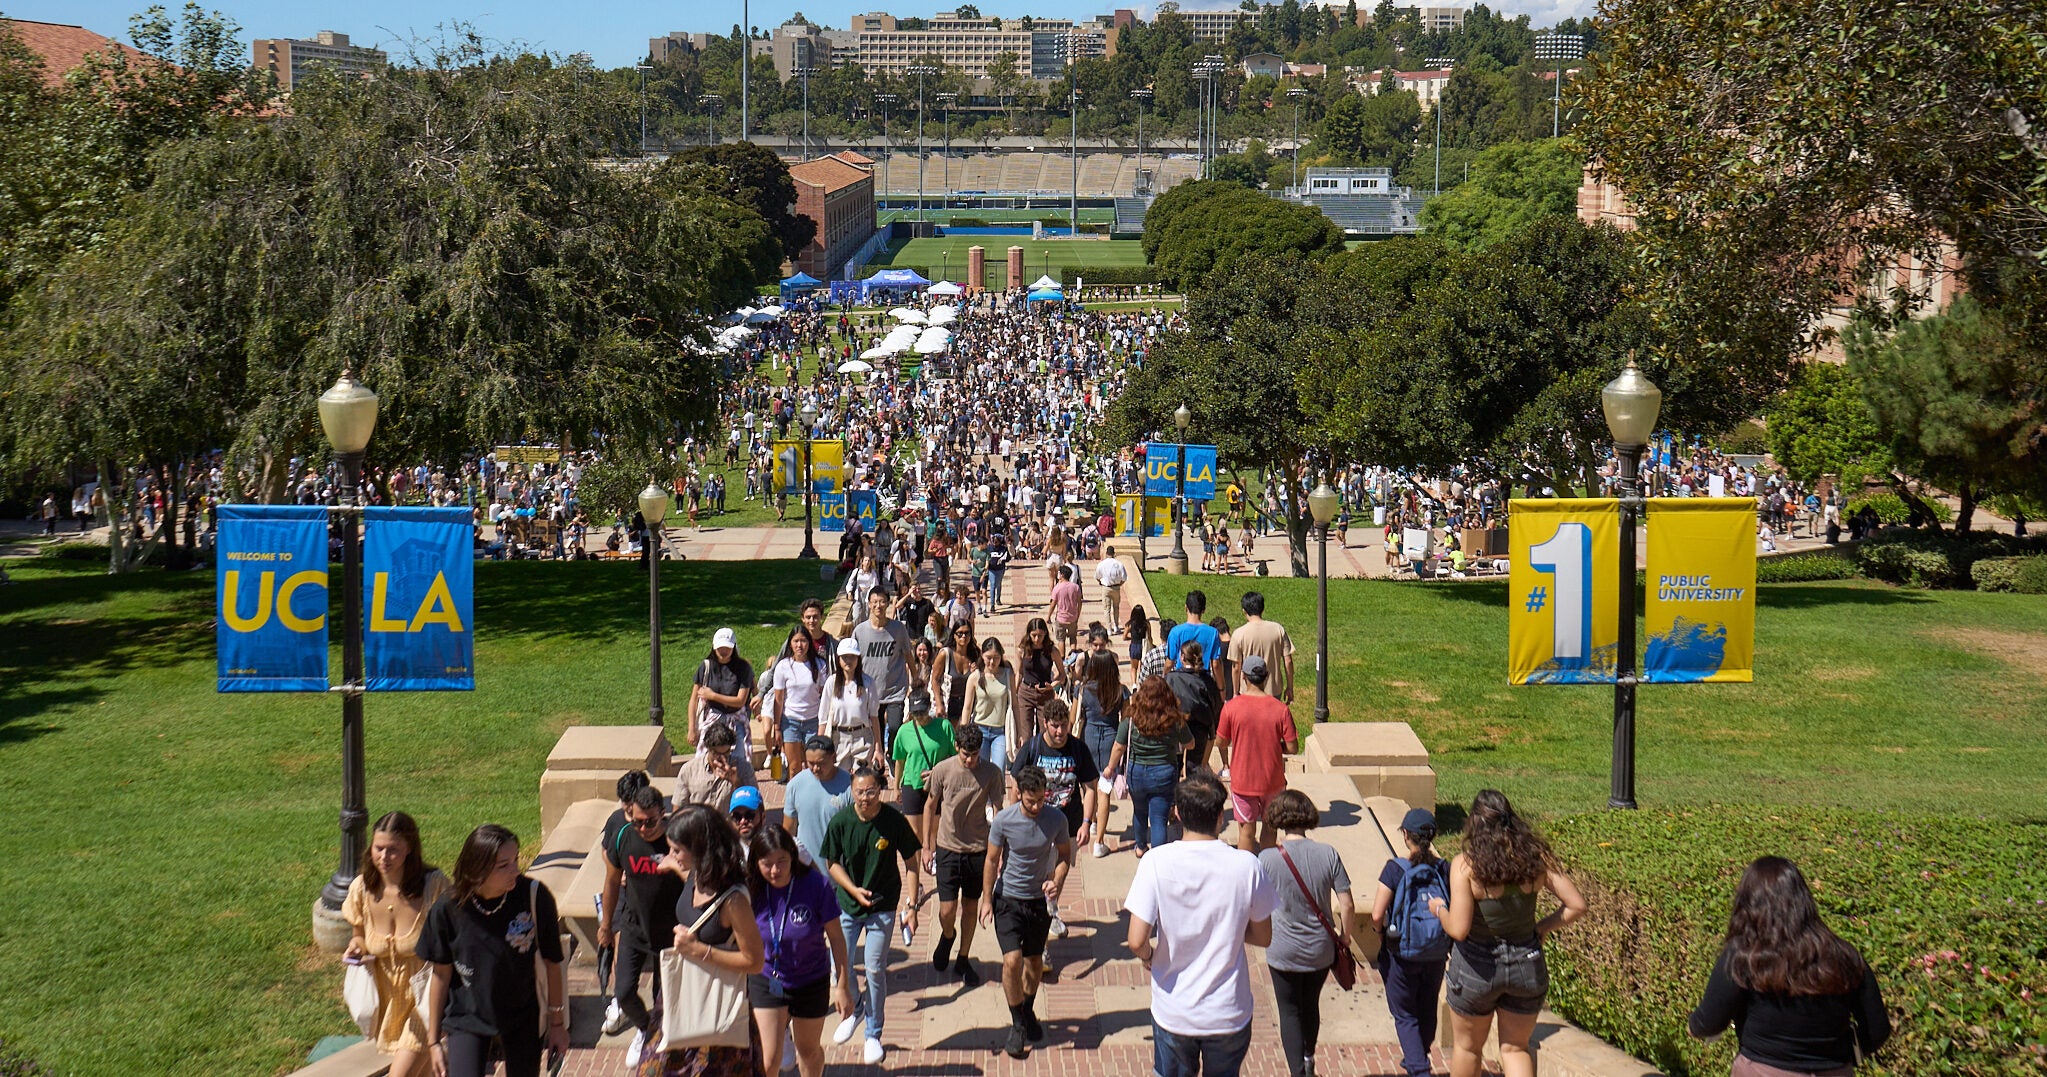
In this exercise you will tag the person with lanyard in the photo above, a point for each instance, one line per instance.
(1070, 774)
(495, 944)
(805, 954)
(1030, 851)
(714, 927)
(862, 845)
(635, 883)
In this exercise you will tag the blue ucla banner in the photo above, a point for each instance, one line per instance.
(1162, 470)
(864, 506)
(270, 624)
(831, 512)
(419, 569)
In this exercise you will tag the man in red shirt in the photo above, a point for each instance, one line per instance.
(1255, 735)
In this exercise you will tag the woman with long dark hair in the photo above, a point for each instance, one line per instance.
(1101, 711)
(1152, 739)
(491, 941)
(991, 703)
(1138, 630)
(386, 906)
(704, 849)
(851, 709)
(951, 670)
(797, 914)
(1039, 673)
(1497, 964)
(722, 691)
(798, 694)
(1801, 1000)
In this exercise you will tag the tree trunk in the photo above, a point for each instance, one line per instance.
(167, 480)
(1968, 509)
(110, 496)
(1297, 521)
(1920, 510)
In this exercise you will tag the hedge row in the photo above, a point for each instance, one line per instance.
(2024, 575)
(1937, 559)
(1950, 913)
(1891, 509)
(1108, 275)
(1804, 568)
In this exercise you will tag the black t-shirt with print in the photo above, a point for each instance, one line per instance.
(649, 902)
(493, 988)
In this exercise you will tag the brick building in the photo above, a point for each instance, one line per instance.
(290, 58)
(836, 191)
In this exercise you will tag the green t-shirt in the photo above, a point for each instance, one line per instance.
(921, 746)
(867, 851)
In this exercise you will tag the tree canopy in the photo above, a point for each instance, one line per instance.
(1511, 186)
(1200, 228)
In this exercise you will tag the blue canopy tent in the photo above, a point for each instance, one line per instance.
(801, 282)
(892, 279)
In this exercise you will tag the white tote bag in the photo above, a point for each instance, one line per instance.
(717, 1014)
(359, 990)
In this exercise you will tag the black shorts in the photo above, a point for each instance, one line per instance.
(960, 874)
(911, 803)
(809, 1001)
(1021, 924)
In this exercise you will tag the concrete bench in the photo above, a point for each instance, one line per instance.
(571, 843)
(358, 1060)
(1380, 758)
(617, 748)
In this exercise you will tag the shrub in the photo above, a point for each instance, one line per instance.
(1931, 559)
(1891, 509)
(76, 551)
(968, 222)
(1804, 567)
(1108, 275)
(2031, 578)
(1996, 573)
(1948, 911)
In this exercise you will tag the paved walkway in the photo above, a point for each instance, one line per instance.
(1096, 1010)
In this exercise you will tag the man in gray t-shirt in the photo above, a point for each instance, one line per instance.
(814, 795)
(885, 658)
(1029, 851)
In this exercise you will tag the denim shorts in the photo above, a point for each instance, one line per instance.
(1519, 983)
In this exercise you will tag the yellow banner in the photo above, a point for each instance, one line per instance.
(827, 464)
(1127, 512)
(1701, 613)
(1563, 592)
(527, 454)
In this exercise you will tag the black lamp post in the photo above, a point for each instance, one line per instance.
(1176, 562)
(1631, 402)
(1322, 505)
(654, 510)
(809, 414)
(348, 416)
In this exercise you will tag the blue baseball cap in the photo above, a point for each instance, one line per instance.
(746, 796)
(1417, 821)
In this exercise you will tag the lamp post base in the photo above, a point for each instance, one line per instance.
(330, 932)
(1176, 564)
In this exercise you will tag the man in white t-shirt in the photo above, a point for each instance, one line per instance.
(1194, 905)
(1111, 574)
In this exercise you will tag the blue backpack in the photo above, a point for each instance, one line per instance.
(1416, 933)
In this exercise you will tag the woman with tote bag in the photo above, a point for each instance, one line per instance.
(717, 946)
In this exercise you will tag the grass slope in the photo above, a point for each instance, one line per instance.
(164, 844)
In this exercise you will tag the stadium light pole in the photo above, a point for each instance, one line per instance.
(745, 68)
(805, 73)
(1439, 63)
(945, 103)
(642, 69)
(1215, 116)
(1297, 93)
(1140, 95)
(1631, 403)
(1559, 47)
(921, 70)
(1073, 115)
(887, 155)
(711, 101)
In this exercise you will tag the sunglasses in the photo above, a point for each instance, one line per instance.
(646, 824)
(741, 815)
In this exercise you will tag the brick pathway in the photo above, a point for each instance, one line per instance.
(1096, 1010)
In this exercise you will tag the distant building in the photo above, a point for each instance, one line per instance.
(1427, 86)
(1263, 63)
(796, 45)
(671, 48)
(1362, 201)
(62, 46)
(836, 191)
(291, 59)
(1040, 45)
(1440, 20)
(1214, 25)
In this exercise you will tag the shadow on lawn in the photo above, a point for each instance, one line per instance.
(37, 644)
(20, 711)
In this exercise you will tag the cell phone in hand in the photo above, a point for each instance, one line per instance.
(555, 1061)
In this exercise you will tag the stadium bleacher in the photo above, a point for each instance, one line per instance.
(1102, 175)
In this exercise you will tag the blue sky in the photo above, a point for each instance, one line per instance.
(613, 32)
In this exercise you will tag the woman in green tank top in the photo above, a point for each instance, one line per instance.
(1497, 964)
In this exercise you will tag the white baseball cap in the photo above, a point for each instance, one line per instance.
(849, 646)
(724, 637)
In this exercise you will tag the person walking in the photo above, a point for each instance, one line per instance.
(714, 771)
(1497, 965)
(385, 908)
(705, 852)
(884, 643)
(722, 691)
(1102, 696)
(1040, 665)
(803, 954)
(1416, 950)
(852, 705)
(1064, 610)
(962, 795)
(1267, 640)
(991, 702)
(862, 845)
(1152, 741)
(1314, 917)
(1801, 1000)
(798, 693)
(1111, 576)
(1199, 697)
(494, 941)
(1070, 776)
(950, 671)
(1194, 906)
(998, 566)
(635, 881)
(921, 744)
(1029, 853)
(1255, 736)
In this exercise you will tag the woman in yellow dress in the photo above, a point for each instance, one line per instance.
(386, 904)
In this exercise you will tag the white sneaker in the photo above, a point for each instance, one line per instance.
(1058, 927)
(788, 1050)
(872, 1054)
(614, 1018)
(632, 1051)
(844, 1033)
(1101, 850)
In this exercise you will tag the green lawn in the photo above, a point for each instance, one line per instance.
(1865, 697)
(163, 844)
(947, 256)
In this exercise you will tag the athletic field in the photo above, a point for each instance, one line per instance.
(1088, 215)
(946, 257)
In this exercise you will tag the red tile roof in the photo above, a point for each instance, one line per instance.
(829, 172)
(62, 46)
